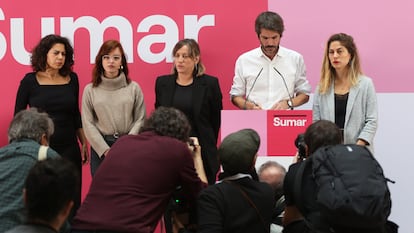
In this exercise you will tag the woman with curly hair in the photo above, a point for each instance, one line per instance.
(53, 87)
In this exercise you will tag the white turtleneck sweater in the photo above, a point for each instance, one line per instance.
(112, 107)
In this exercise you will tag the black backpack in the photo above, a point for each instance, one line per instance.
(352, 191)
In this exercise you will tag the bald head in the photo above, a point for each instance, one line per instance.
(273, 173)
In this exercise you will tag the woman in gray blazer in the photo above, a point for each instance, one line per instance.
(344, 95)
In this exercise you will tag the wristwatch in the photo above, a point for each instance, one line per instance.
(290, 104)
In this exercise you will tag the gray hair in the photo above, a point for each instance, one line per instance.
(30, 124)
(277, 182)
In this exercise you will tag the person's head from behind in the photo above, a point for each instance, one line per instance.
(49, 191)
(269, 28)
(109, 62)
(321, 133)
(187, 60)
(31, 124)
(53, 51)
(238, 151)
(273, 173)
(168, 121)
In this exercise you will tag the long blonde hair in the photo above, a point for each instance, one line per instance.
(328, 72)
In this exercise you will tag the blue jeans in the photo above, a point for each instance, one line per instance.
(95, 161)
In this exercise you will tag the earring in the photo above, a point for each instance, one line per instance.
(196, 67)
(122, 67)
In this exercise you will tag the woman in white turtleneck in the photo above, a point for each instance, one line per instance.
(112, 104)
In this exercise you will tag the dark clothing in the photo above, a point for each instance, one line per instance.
(133, 185)
(32, 228)
(95, 159)
(183, 100)
(206, 114)
(84, 231)
(16, 160)
(61, 102)
(310, 208)
(223, 208)
(340, 109)
(308, 195)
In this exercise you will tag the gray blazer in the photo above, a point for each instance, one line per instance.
(361, 111)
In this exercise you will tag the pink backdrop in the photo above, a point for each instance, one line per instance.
(148, 31)
(382, 31)
(224, 29)
(382, 36)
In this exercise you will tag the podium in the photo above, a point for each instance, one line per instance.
(278, 129)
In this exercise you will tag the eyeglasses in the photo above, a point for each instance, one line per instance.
(184, 56)
(114, 57)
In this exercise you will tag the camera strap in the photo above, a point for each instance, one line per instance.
(246, 196)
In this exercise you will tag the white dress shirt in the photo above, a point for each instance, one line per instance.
(257, 80)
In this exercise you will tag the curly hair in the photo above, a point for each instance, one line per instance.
(39, 54)
(168, 121)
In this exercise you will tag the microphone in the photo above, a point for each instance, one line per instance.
(287, 89)
(251, 88)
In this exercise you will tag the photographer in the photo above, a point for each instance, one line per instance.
(238, 202)
(131, 189)
(320, 133)
(180, 214)
(28, 130)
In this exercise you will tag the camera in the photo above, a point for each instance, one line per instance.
(191, 143)
(179, 203)
(301, 145)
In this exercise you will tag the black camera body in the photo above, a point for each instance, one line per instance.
(179, 203)
(301, 145)
(192, 144)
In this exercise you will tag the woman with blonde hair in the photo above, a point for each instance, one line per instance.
(198, 95)
(344, 94)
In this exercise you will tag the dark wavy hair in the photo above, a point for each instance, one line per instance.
(98, 70)
(322, 133)
(168, 121)
(39, 54)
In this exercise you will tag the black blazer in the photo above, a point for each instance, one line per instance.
(207, 106)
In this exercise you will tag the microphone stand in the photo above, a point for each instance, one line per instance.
(251, 88)
(287, 89)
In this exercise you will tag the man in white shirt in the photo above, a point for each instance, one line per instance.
(271, 76)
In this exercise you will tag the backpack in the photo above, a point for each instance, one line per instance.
(352, 191)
